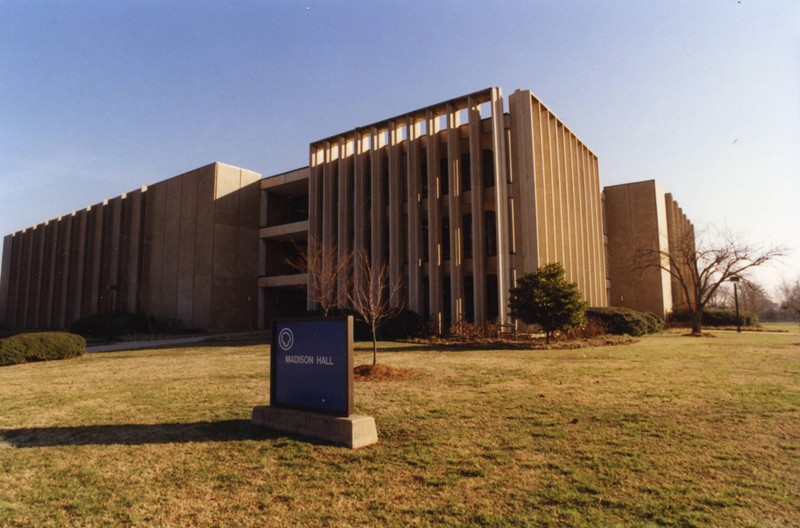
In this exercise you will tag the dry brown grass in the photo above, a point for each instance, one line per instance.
(669, 431)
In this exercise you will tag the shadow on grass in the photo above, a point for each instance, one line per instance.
(136, 434)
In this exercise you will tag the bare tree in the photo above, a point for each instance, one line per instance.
(790, 293)
(701, 267)
(374, 297)
(753, 297)
(325, 269)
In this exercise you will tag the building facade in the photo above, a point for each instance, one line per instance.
(456, 199)
(183, 250)
(644, 222)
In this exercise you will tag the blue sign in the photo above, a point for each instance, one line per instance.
(312, 365)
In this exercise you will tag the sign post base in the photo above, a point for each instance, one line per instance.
(352, 431)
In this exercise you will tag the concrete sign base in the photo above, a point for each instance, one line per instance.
(352, 431)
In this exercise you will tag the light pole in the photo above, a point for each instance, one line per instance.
(735, 281)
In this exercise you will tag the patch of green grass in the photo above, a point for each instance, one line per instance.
(670, 431)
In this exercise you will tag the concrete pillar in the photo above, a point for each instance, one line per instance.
(414, 200)
(344, 210)
(60, 296)
(5, 278)
(187, 242)
(476, 209)
(397, 242)
(315, 208)
(361, 172)
(501, 203)
(454, 211)
(49, 274)
(434, 227)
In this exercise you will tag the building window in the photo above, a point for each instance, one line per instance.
(490, 233)
(466, 231)
(444, 182)
(466, 179)
(469, 299)
(445, 239)
(425, 240)
(487, 160)
(423, 176)
(492, 298)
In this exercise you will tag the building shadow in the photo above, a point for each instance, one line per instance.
(136, 434)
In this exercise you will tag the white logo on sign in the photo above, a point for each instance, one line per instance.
(285, 339)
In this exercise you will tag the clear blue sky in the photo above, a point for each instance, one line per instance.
(101, 97)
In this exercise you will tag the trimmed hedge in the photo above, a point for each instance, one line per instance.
(716, 316)
(624, 321)
(113, 325)
(40, 346)
(11, 352)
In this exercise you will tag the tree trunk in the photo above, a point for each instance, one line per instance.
(697, 320)
(374, 347)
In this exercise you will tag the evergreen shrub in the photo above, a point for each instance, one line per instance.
(40, 346)
(716, 316)
(624, 321)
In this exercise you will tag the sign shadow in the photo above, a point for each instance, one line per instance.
(135, 434)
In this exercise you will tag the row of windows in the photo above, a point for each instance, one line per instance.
(465, 169)
(467, 240)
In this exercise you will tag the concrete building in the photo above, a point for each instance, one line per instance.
(457, 199)
(642, 217)
(183, 250)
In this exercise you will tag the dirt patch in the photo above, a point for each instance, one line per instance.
(382, 372)
(699, 334)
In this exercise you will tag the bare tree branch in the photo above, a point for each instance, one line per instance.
(701, 267)
(327, 270)
(375, 298)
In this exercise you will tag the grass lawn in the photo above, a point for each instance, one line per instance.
(671, 431)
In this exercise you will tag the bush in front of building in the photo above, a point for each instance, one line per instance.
(547, 299)
(40, 346)
(11, 352)
(111, 325)
(624, 321)
(716, 316)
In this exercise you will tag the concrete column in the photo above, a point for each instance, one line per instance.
(434, 227)
(476, 208)
(130, 273)
(329, 184)
(202, 286)
(26, 272)
(415, 302)
(49, 274)
(527, 176)
(92, 272)
(77, 264)
(315, 208)
(344, 207)
(397, 242)
(378, 211)
(454, 210)
(63, 249)
(580, 213)
(360, 219)
(501, 203)
(599, 246)
(187, 233)
(5, 277)
(36, 306)
(112, 244)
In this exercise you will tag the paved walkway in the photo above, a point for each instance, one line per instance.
(135, 345)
